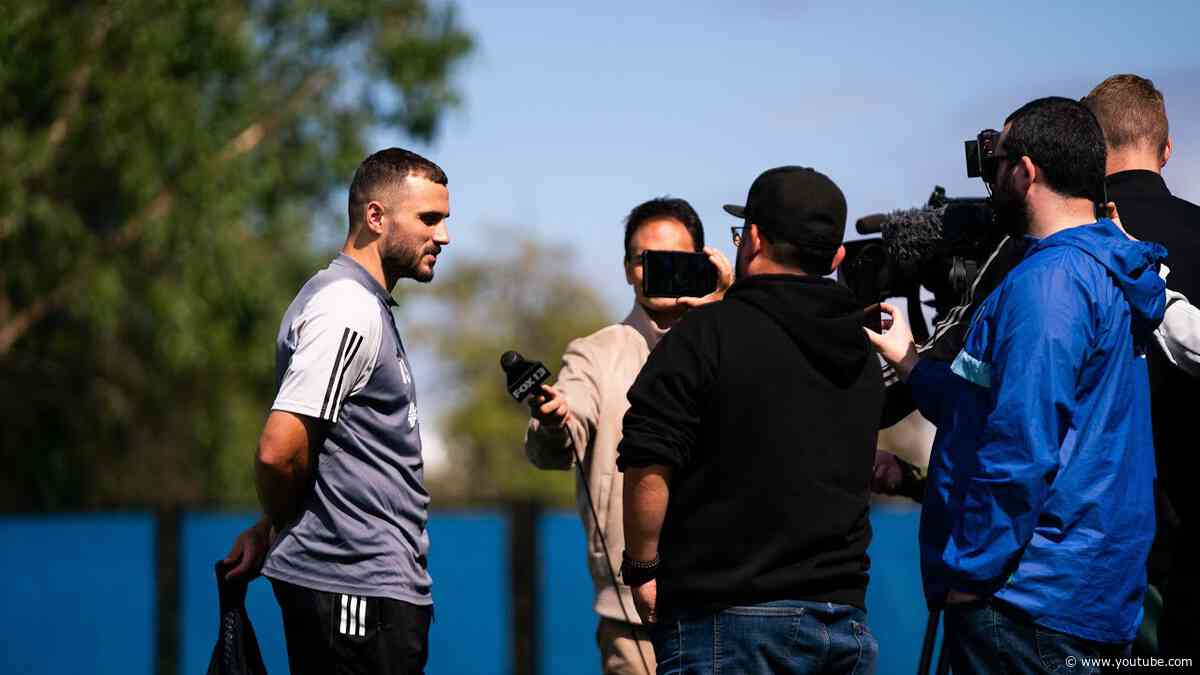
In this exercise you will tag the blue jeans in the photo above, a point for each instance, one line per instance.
(988, 636)
(786, 636)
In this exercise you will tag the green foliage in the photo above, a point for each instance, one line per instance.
(525, 298)
(162, 167)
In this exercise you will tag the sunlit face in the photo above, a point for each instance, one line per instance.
(663, 234)
(415, 216)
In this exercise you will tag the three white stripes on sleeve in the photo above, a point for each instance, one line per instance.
(354, 616)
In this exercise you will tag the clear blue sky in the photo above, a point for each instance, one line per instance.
(575, 112)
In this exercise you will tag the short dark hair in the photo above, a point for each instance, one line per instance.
(385, 168)
(664, 208)
(1065, 142)
(791, 254)
(1131, 111)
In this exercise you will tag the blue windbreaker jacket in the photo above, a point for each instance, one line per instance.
(1041, 479)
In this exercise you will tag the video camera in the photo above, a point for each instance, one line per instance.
(940, 246)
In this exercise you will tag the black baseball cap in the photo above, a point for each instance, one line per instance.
(798, 205)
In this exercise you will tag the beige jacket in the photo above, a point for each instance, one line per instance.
(596, 374)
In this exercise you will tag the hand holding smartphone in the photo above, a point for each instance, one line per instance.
(677, 274)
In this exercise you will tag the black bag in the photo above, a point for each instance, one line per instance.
(236, 651)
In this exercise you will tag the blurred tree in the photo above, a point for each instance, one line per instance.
(162, 166)
(525, 298)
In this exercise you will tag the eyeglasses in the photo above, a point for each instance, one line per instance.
(736, 231)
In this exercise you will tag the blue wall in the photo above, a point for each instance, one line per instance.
(80, 594)
(895, 605)
(204, 539)
(468, 559)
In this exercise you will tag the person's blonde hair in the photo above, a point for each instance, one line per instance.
(1131, 111)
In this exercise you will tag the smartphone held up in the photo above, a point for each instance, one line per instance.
(677, 274)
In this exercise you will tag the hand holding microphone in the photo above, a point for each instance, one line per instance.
(526, 380)
(549, 408)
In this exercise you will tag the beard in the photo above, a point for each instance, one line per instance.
(423, 272)
(406, 261)
(1012, 214)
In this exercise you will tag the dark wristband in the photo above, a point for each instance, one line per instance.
(638, 572)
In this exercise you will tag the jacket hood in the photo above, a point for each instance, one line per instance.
(1133, 266)
(821, 317)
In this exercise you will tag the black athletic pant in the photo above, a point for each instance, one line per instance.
(334, 633)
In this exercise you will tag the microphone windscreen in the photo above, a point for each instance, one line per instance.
(911, 235)
(510, 359)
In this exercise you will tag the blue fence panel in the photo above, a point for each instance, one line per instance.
(472, 627)
(896, 610)
(79, 594)
(89, 582)
(205, 538)
(468, 560)
(894, 601)
(567, 624)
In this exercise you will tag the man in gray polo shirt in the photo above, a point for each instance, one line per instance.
(339, 468)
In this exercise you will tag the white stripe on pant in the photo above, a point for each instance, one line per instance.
(354, 616)
(342, 629)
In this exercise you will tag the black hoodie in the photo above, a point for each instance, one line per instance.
(767, 406)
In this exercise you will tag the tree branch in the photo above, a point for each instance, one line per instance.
(77, 85)
(160, 206)
(251, 136)
(13, 329)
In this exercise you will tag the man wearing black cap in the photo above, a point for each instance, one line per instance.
(748, 451)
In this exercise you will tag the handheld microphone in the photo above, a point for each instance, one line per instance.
(523, 375)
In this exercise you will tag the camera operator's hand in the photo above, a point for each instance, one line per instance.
(724, 279)
(549, 408)
(895, 345)
(888, 475)
(645, 599)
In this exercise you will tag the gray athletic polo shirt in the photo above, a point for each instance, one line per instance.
(339, 358)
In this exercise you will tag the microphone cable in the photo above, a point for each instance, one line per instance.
(612, 573)
(509, 361)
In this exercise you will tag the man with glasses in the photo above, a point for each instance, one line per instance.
(579, 418)
(748, 451)
(1039, 511)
